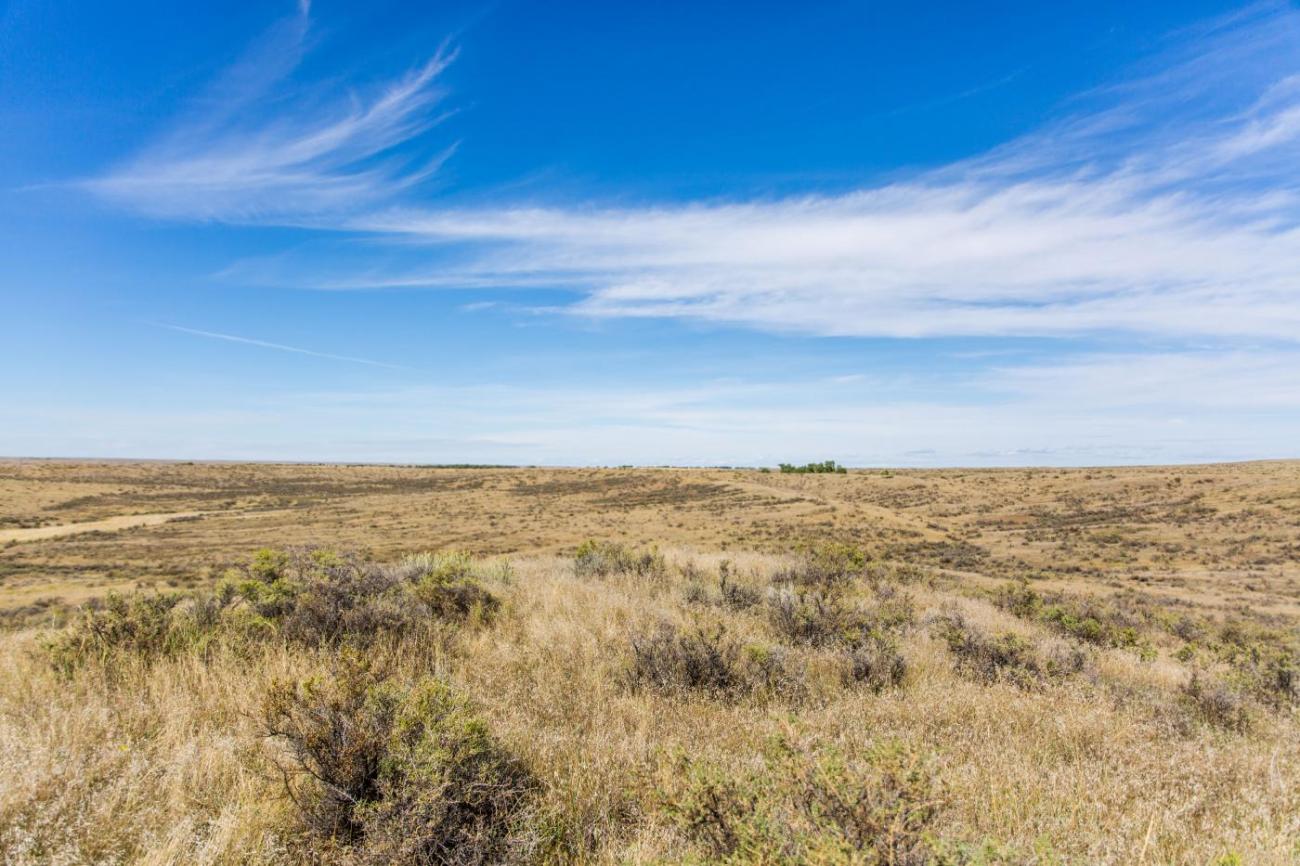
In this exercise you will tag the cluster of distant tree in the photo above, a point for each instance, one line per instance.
(825, 467)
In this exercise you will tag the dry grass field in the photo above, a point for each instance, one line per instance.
(1085, 666)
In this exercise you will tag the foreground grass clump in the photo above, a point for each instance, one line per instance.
(398, 774)
(310, 597)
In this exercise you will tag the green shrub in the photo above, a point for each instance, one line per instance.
(1216, 703)
(802, 805)
(671, 660)
(773, 671)
(336, 732)
(811, 617)
(319, 597)
(824, 567)
(1102, 623)
(266, 582)
(605, 558)
(341, 599)
(448, 586)
(884, 573)
(894, 611)
(734, 595)
(1263, 662)
(876, 664)
(817, 617)
(400, 774)
(1006, 657)
(309, 597)
(142, 625)
(1274, 679)
(696, 593)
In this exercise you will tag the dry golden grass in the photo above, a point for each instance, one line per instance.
(167, 762)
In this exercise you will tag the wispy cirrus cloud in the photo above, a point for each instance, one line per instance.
(252, 149)
(1165, 204)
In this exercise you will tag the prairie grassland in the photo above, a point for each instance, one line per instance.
(905, 672)
(1223, 535)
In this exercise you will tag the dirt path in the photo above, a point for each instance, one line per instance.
(110, 524)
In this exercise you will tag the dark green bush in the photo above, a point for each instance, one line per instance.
(876, 663)
(1263, 662)
(319, 597)
(735, 595)
(826, 467)
(824, 567)
(331, 599)
(775, 672)
(448, 586)
(813, 618)
(732, 593)
(671, 660)
(1216, 703)
(825, 617)
(1274, 679)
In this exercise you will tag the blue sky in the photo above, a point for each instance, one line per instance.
(571, 233)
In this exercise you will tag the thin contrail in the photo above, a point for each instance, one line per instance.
(278, 346)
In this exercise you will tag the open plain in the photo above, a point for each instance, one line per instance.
(669, 665)
(1222, 535)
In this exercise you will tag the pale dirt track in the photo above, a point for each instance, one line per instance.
(110, 524)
